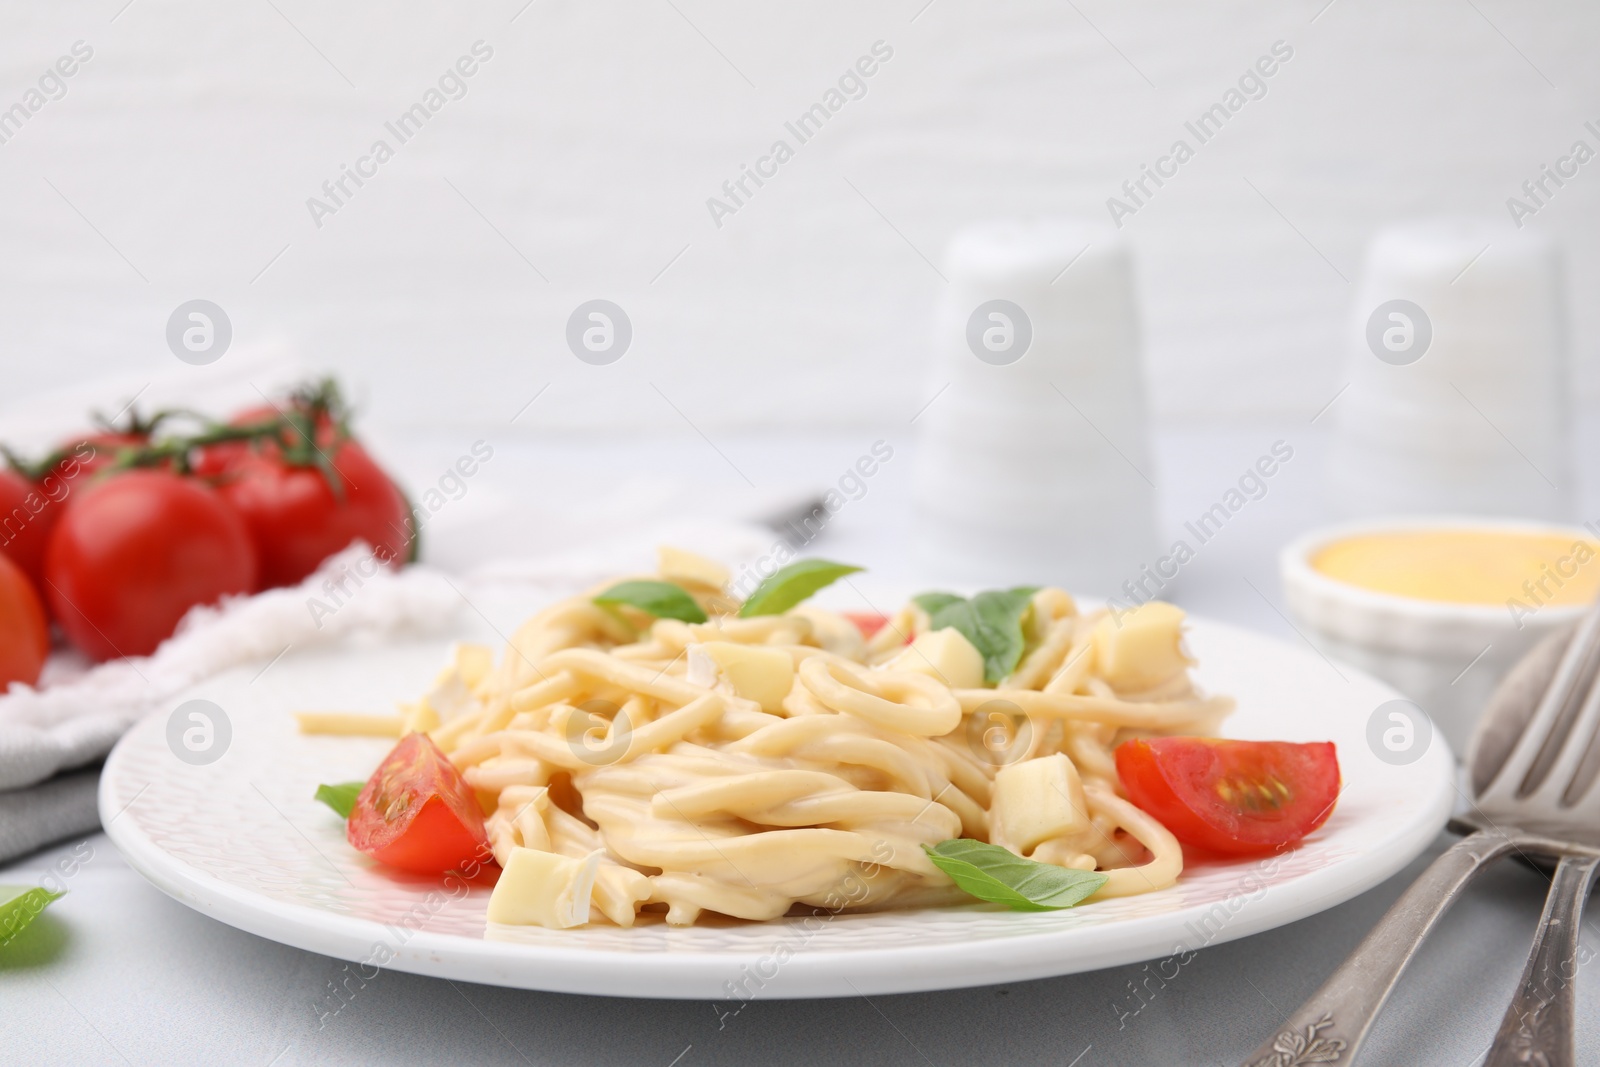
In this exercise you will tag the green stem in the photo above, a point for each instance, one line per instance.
(293, 428)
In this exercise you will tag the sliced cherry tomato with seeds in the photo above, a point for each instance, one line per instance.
(1234, 797)
(416, 813)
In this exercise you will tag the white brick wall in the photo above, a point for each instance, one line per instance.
(592, 138)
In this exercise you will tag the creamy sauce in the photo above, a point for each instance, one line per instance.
(1467, 566)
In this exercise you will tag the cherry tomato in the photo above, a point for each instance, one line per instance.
(868, 622)
(24, 633)
(416, 813)
(26, 517)
(132, 554)
(95, 452)
(214, 459)
(29, 509)
(295, 518)
(1234, 797)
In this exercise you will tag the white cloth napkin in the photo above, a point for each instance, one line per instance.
(71, 721)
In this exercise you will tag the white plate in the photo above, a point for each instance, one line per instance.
(242, 841)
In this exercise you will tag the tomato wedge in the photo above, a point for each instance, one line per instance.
(417, 814)
(1233, 797)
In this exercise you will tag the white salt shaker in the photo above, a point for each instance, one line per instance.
(1034, 463)
(1458, 383)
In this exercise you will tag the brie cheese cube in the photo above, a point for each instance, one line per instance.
(676, 565)
(473, 663)
(945, 655)
(451, 698)
(418, 718)
(544, 889)
(754, 672)
(1141, 648)
(1036, 800)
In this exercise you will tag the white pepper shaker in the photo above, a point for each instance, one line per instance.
(1458, 382)
(1034, 463)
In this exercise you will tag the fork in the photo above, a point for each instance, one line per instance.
(1538, 799)
(1551, 786)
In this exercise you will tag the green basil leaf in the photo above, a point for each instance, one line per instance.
(788, 586)
(661, 599)
(20, 905)
(992, 621)
(1000, 876)
(933, 602)
(341, 798)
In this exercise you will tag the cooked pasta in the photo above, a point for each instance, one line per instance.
(635, 765)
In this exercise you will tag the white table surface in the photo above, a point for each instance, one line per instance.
(116, 972)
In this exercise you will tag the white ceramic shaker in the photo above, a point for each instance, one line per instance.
(1034, 464)
(1458, 383)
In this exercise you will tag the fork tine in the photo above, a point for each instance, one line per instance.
(1581, 795)
(1542, 742)
(1562, 779)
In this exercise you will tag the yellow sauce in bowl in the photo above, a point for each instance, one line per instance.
(1465, 566)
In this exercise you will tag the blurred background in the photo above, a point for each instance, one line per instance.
(774, 342)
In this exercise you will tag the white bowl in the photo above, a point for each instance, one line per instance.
(1446, 657)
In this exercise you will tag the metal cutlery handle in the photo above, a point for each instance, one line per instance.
(1330, 1026)
(1538, 1026)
